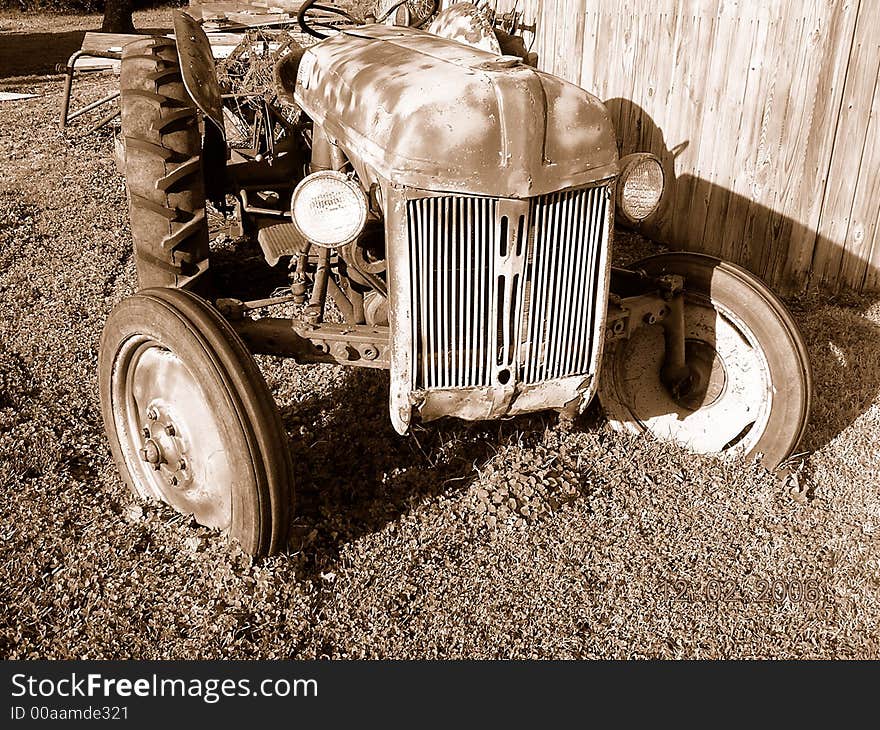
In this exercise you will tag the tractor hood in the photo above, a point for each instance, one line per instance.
(431, 113)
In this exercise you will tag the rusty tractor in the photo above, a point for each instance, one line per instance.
(457, 206)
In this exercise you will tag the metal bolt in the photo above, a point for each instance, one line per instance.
(344, 351)
(169, 430)
(152, 414)
(172, 480)
(181, 465)
(370, 353)
(146, 432)
(650, 318)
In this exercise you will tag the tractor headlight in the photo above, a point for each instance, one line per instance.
(640, 187)
(328, 209)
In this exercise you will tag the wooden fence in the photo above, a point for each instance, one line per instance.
(765, 113)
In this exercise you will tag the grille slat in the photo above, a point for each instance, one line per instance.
(574, 286)
(566, 271)
(423, 323)
(584, 252)
(563, 290)
(597, 222)
(552, 294)
(443, 290)
(504, 286)
(539, 292)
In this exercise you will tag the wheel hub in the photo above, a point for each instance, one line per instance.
(707, 378)
(163, 447)
(721, 404)
(171, 434)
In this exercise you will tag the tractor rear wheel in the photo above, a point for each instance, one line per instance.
(163, 168)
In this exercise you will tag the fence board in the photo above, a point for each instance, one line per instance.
(847, 214)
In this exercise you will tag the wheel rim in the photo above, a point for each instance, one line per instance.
(728, 406)
(173, 445)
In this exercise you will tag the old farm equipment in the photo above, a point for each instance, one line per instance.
(457, 205)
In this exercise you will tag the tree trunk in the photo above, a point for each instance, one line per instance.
(117, 16)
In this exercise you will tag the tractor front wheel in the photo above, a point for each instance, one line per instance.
(190, 419)
(750, 381)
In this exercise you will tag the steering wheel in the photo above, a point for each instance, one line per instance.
(313, 15)
(315, 18)
(416, 12)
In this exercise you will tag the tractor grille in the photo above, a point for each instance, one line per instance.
(504, 290)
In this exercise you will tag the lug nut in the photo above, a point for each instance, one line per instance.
(172, 480)
(169, 430)
(152, 414)
(181, 465)
(146, 432)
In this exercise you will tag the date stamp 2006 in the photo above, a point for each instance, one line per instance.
(750, 590)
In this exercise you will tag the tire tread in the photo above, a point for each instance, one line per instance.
(163, 168)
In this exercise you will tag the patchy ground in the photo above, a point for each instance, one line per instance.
(513, 539)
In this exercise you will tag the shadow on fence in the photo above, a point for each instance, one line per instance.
(699, 215)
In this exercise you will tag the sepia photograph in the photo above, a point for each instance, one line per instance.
(432, 330)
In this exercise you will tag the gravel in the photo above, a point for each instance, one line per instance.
(519, 538)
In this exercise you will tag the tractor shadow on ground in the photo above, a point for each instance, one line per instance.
(354, 474)
(239, 270)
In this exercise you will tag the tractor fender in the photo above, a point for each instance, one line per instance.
(197, 68)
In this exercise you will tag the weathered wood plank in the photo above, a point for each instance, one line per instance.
(727, 112)
(819, 85)
(94, 42)
(849, 210)
(688, 109)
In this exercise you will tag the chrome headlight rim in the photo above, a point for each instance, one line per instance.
(628, 165)
(359, 197)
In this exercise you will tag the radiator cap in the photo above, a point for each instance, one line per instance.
(499, 63)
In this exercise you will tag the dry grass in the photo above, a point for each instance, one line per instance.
(396, 551)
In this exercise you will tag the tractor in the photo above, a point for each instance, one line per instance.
(454, 207)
